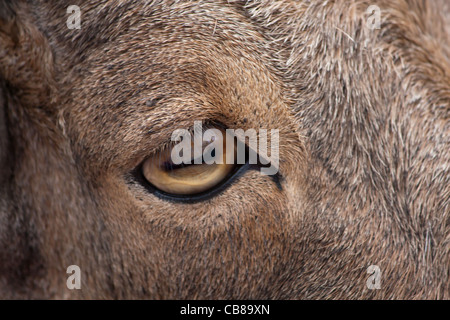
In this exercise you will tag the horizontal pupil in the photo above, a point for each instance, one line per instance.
(170, 166)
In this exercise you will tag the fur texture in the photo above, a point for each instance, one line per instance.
(364, 148)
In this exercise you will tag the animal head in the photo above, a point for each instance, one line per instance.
(362, 114)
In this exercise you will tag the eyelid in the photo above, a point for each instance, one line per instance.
(204, 196)
(163, 139)
(193, 177)
(186, 179)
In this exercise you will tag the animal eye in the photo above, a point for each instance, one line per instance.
(203, 167)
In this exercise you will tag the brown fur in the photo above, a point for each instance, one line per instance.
(364, 148)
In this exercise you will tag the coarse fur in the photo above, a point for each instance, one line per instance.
(364, 148)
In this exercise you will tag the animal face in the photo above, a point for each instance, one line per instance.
(362, 116)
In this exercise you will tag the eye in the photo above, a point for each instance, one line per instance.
(203, 169)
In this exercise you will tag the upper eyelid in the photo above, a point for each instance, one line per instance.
(164, 141)
(168, 143)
